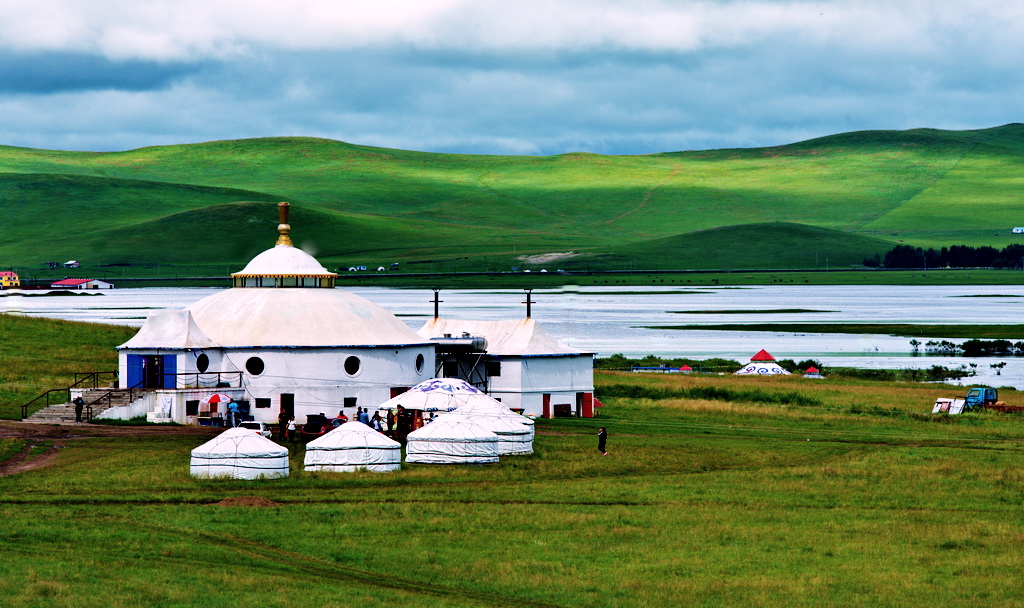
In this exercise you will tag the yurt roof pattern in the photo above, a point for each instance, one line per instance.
(762, 369)
(174, 329)
(517, 337)
(438, 395)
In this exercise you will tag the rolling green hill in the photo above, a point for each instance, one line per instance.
(841, 197)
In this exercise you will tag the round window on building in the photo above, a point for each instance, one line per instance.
(419, 364)
(352, 366)
(202, 363)
(255, 366)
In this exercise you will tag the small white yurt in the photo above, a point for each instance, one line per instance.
(514, 439)
(451, 443)
(353, 446)
(241, 454)
(762, 364)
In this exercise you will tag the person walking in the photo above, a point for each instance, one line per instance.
(602, 439)
(79, 404)
(364, 416)
(376, 423)
(291, 429)
(233, 413)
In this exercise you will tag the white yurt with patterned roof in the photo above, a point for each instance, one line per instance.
(762, 364)
(239, 453)
(353, 446)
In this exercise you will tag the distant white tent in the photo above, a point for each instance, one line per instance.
(353, 446)
(762, 364)
(514, 439)
(239, 453)
(451, 443)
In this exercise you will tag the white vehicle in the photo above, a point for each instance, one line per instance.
(260, 427)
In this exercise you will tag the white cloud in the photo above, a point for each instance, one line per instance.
(191, 29)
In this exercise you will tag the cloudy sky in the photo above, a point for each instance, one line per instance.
(502, 76)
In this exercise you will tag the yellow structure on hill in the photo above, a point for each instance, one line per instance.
(9, 280)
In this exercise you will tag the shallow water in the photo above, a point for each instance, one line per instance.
(607, 320)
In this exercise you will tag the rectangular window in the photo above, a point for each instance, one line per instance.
(192, 408)
(493, 368)
(262, 402)
(350, 402)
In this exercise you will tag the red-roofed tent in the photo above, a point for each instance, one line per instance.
(762, 355)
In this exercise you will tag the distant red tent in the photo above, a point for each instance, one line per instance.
(686, 368)
(812, 370)
(762, 355)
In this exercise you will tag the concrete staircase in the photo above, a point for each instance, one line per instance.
(64, 413)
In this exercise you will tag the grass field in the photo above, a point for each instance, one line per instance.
(857, 498)
(832, 200)
(718, 491)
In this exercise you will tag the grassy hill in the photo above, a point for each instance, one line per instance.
(841, 197)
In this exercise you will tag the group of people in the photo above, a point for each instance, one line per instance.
(390, 424)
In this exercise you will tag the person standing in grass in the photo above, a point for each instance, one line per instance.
(602, 438)
(282, 423)
(291, 429)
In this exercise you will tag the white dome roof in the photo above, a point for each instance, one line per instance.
(243, 317)
(284, 260)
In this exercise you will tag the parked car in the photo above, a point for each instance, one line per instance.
(260, 427)
(317, 425)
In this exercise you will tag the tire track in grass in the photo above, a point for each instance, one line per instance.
(282, 561)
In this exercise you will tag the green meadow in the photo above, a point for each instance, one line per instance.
(823, 203)
(851, 495)
(717, 491)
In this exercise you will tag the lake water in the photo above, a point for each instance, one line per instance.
(612, 320)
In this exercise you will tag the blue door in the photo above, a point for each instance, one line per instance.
(134, 371)
(170, 368)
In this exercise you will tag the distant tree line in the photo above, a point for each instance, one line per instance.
(957, 256)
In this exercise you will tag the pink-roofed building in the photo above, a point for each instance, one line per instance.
(81, 284)
(9, 280)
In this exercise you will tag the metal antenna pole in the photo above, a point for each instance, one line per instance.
(528, 303)
(437, 302)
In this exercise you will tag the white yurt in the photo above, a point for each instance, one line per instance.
(353, 446)
(514, 439)
(239, 453)
(762, 364)
(494, 408)
(451, 443)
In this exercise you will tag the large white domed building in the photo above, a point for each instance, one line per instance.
(283, 338)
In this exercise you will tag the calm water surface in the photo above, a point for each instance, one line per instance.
(613, 320)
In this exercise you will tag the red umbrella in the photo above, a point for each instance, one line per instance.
(218, 398)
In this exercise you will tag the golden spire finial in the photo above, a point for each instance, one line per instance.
(283, 228)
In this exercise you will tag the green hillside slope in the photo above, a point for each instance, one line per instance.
(371, 205)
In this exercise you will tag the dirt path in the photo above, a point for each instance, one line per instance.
(59, 435)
